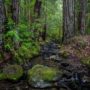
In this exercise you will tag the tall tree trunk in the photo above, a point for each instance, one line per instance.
(37, 8)
(15, 11)
(37, 12)
(82, 16)
(15, 16)
(2, 20)
(68, 19)
(44, 32)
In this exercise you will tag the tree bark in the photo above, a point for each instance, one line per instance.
(15, 11)
(82, 17)
(37, 13)
(68, 19)
(37, 8)
(2, 21)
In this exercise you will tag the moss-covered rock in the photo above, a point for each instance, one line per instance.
(41, 74)
(13, 72)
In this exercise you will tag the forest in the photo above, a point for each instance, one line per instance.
(44, 44)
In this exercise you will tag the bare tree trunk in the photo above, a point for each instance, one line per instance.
(37, 12)
(68, 19)
(37, 8)
(15, 11)
(44, 32)
(82, 16)
(2, 21)
(15, 16)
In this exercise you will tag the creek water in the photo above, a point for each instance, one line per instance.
(75, 76)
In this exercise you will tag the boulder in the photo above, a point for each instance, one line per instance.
(13, 72)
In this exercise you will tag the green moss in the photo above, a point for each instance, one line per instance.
(2, 76)
(86, 61)
(64, 54)
(49, 74)
(13, 72)
(40, 72)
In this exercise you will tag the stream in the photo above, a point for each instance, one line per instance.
(75, 75)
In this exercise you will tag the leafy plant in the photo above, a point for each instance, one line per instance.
(11, 39)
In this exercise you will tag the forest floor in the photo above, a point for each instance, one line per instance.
(73, 59)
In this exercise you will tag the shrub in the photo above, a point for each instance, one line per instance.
(18, 41)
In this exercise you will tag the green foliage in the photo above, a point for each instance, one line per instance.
(7, 2)
(21, 40)
(52, 10)
(24, 31)
(25, 52)
(13, 72)
(12, 34)
(21, 36)
(55, 35)
(10, 24)
(11, 38)
(40, 72)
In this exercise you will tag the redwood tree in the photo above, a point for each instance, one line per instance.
(15, 11)
(82, 17)
(37, 14)
(2, 20)
(68, 19)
